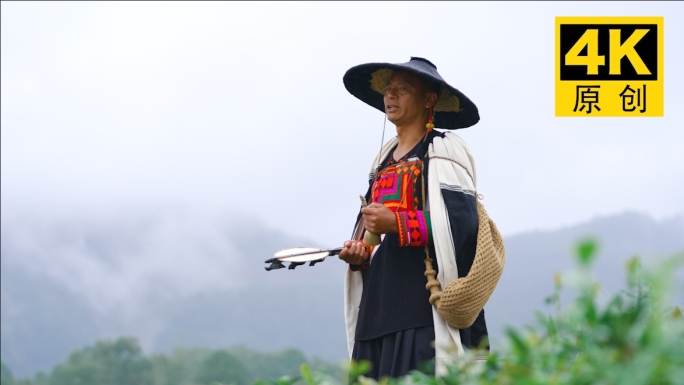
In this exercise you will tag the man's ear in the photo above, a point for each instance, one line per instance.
(432, 98)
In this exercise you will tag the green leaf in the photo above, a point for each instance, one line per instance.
(586, 251)
(357, 368)
(306, 374)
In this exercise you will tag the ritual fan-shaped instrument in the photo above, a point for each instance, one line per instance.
(298, 256)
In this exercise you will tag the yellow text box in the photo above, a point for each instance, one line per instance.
(609, 66)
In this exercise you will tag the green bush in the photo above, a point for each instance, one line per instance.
(634, 338)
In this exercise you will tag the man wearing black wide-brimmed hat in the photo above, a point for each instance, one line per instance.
(422, 199)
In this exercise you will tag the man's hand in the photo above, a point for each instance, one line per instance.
(354, 253)
(379, 219)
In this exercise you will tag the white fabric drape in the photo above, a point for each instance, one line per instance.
(449, 159)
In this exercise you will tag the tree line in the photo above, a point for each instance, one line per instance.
(122, 362)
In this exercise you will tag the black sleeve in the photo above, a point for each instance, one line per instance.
(463, 221)
(462, 213)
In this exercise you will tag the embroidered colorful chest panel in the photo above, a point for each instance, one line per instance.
(398, 186)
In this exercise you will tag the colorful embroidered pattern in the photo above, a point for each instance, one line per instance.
(415, 228)
(398, 187)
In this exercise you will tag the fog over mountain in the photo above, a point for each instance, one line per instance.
(187, 278)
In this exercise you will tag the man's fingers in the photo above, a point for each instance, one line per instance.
(345, 249)
(356, 248)
(354, 253)
(372, 208)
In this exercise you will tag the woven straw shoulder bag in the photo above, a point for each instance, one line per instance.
(463, 298)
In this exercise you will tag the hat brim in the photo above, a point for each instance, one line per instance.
(453, 109)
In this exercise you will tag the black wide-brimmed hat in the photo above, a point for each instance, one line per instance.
(452, 110)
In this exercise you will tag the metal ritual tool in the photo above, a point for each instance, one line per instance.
(298, 256)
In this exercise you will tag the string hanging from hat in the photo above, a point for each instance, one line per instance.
(430, 125)
(382, 140)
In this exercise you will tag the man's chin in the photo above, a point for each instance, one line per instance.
(392, 117)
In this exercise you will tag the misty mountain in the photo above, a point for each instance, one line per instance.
(179, 278)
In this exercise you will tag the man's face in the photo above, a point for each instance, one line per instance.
(405, 99)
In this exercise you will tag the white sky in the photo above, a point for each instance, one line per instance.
(229, 107)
